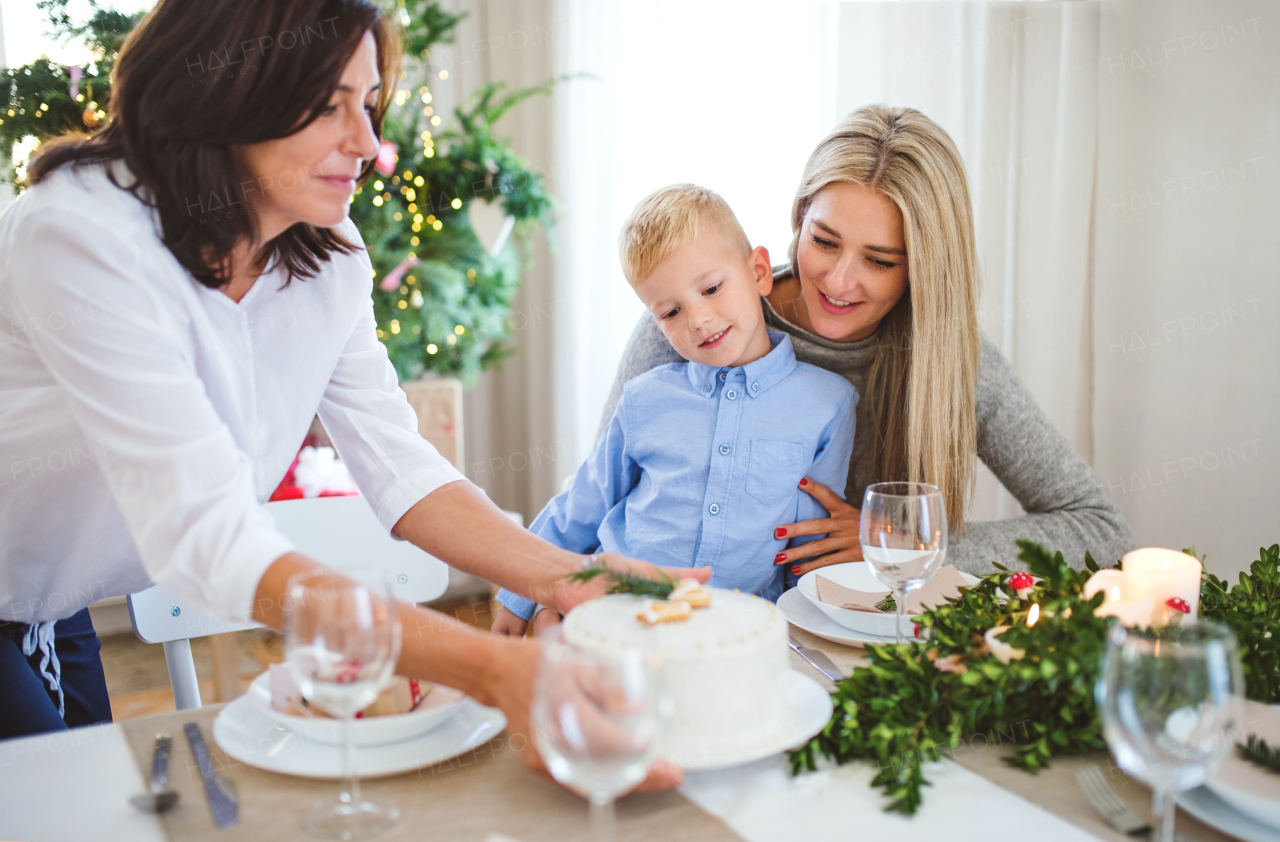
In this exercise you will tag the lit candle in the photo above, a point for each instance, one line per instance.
(1164, 576)
(1153, 587)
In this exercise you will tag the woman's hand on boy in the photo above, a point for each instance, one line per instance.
(842, 544)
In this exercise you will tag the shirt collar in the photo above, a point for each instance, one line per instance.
(758, 375)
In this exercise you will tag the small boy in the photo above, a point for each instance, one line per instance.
(702, 459)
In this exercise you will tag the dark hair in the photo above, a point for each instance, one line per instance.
(195, 79)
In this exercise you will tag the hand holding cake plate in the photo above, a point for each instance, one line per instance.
(734, 697)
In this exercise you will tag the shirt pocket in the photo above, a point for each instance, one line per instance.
(775, 469)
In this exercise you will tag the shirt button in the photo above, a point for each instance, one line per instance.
(714, 509)
(755, 387)
(724, 449)
(723, 376)
(706, 387)
(732, 394)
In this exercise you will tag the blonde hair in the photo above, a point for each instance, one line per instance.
(667, 220)
(925, 374)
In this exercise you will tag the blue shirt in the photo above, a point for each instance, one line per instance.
(698, 466)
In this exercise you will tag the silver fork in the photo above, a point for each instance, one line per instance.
(1112, 807)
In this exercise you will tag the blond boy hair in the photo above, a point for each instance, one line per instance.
(667, 220)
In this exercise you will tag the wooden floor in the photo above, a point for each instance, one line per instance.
(138, 680)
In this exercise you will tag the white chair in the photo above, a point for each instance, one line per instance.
(337, 531)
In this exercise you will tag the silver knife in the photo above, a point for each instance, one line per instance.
(817, 660)
(221, 792)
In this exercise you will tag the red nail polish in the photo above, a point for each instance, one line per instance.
(804, 481)
(779, 558)
(780, 532)
(795, 571)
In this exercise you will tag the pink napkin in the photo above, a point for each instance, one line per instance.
(944, 585)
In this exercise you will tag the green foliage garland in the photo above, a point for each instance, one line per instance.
(1252, 610)
(915, 702)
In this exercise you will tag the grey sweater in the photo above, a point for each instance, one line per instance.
(1067, 507)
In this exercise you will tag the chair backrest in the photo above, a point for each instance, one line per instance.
(341, 532)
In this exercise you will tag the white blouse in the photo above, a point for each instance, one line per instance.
(145, 418)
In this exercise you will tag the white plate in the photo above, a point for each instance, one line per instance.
(1251, 790)
(1202, 803)
(858, 576)
(810, 708)
(250, 736)
(803, 614)
(438, 706)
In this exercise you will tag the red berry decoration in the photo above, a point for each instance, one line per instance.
(1177, 603)
(1021, 581)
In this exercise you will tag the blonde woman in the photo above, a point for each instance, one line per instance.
(883, 289)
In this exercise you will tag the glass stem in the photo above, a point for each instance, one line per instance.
(602, 819)
(351, 795)
(1162, 806)
(900, 597)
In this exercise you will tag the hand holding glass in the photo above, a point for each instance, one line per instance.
(595, 717)
(904, 537)
(342, 640)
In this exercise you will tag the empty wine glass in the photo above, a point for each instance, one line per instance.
(1171, 702)
(341, 642)
(904, 537)
(596, 718)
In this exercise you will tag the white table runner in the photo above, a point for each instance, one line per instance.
(762, 802)
(74, 786)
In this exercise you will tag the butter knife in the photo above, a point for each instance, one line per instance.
(220, 792)
(817, 660)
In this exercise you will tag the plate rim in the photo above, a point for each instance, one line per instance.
(844, 636)
(798, 683)
(468, 706)
(1200, 803)
(811, 580)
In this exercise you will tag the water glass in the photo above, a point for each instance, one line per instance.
(1171, 700)
(341, 642)
(596, 718)
(904, 537)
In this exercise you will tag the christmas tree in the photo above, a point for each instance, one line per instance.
(442, 298)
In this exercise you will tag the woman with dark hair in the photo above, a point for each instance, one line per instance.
(181, 293)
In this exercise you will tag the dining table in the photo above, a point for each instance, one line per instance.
(75, 785)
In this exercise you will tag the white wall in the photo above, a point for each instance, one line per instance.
(1188, 250)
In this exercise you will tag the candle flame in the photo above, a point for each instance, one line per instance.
(1115, 593)
(1033, 615)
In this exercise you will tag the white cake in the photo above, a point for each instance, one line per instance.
(725, 666)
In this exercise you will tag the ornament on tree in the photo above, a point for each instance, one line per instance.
(89, 117)
(387, 158)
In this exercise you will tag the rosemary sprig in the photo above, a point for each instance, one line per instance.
(1257, 752)
(625, 581)
(888, 603)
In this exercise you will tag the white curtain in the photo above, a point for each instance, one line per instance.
(729, 96)
(1015, 85)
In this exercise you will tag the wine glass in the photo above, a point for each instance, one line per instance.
(904, 537)
(1171, 702)
(341, 642)
(596, 718)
